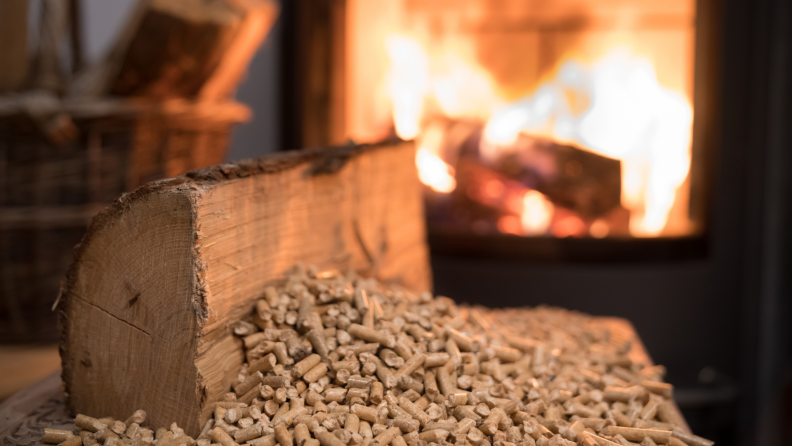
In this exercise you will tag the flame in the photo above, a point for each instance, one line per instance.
(536, 214)
(615, 107)
(434, 172)
(408, 83)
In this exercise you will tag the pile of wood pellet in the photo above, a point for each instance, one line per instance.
(336, 360)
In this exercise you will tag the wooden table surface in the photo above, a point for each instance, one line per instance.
(24, 416)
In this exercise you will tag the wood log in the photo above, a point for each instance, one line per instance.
(148, 302)
(181, 48)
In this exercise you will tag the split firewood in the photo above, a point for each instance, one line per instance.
(181, 48)
(541, 376)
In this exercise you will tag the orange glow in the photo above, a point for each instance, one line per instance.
(537, 213)
(434, 172)
(630, 117)
(614, 106)
(408, 83)
(509, 224)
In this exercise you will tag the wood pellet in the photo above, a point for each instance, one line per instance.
(337, 360)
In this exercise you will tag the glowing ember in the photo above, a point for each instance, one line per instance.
(536, 214)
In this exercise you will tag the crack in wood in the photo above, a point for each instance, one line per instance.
(117, 318)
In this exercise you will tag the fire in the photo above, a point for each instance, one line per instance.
(630, 117)
(536, 213)
(434, 172)
(615, 107)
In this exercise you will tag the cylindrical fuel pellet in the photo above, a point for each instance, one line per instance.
(267, 440)
(55, 436)
(276, 382)
(444, 381)
(118, 427)
(302, 367)
(288, 418)
(464, 425)
(282, 353)
(376, 394)
(352, 366)
(436, 359)
(403, 348)
(301, 434)
(649, 411)
(88, 423)
(434, 435)
(407, 383)
(506, 354)
(311, 398)
(264, 364)
(249, 383)
(328, 439)
(296, 348)
(336, 394)
(365, 429)
(410, 365)
(248, 433)
(422, 403)
(218, 435)
(305, 309)
(357, 393)
(399, 441)
(407, 424)
(456, 399)
(633, 434)
(663, 389)
(283, 436)
(372, 335)
(649, 442)
(208, 426)
(385, 438)
(359, 382)
(465, 343)
(490, 424)
(315, 373)
(385, 374)
(414, 410)
(138, 417)
(690, 439)
(251, 395)
(369, 413)
(623, 394)
(318, 341)
(390, 358)
(352, 423)
(588, 440)
(254, 339)
(430, 385)
(464, 412)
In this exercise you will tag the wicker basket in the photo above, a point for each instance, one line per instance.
(49, 192)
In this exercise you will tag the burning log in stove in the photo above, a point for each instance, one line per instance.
(533, 186)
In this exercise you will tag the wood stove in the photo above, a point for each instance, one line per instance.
(525, 207)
